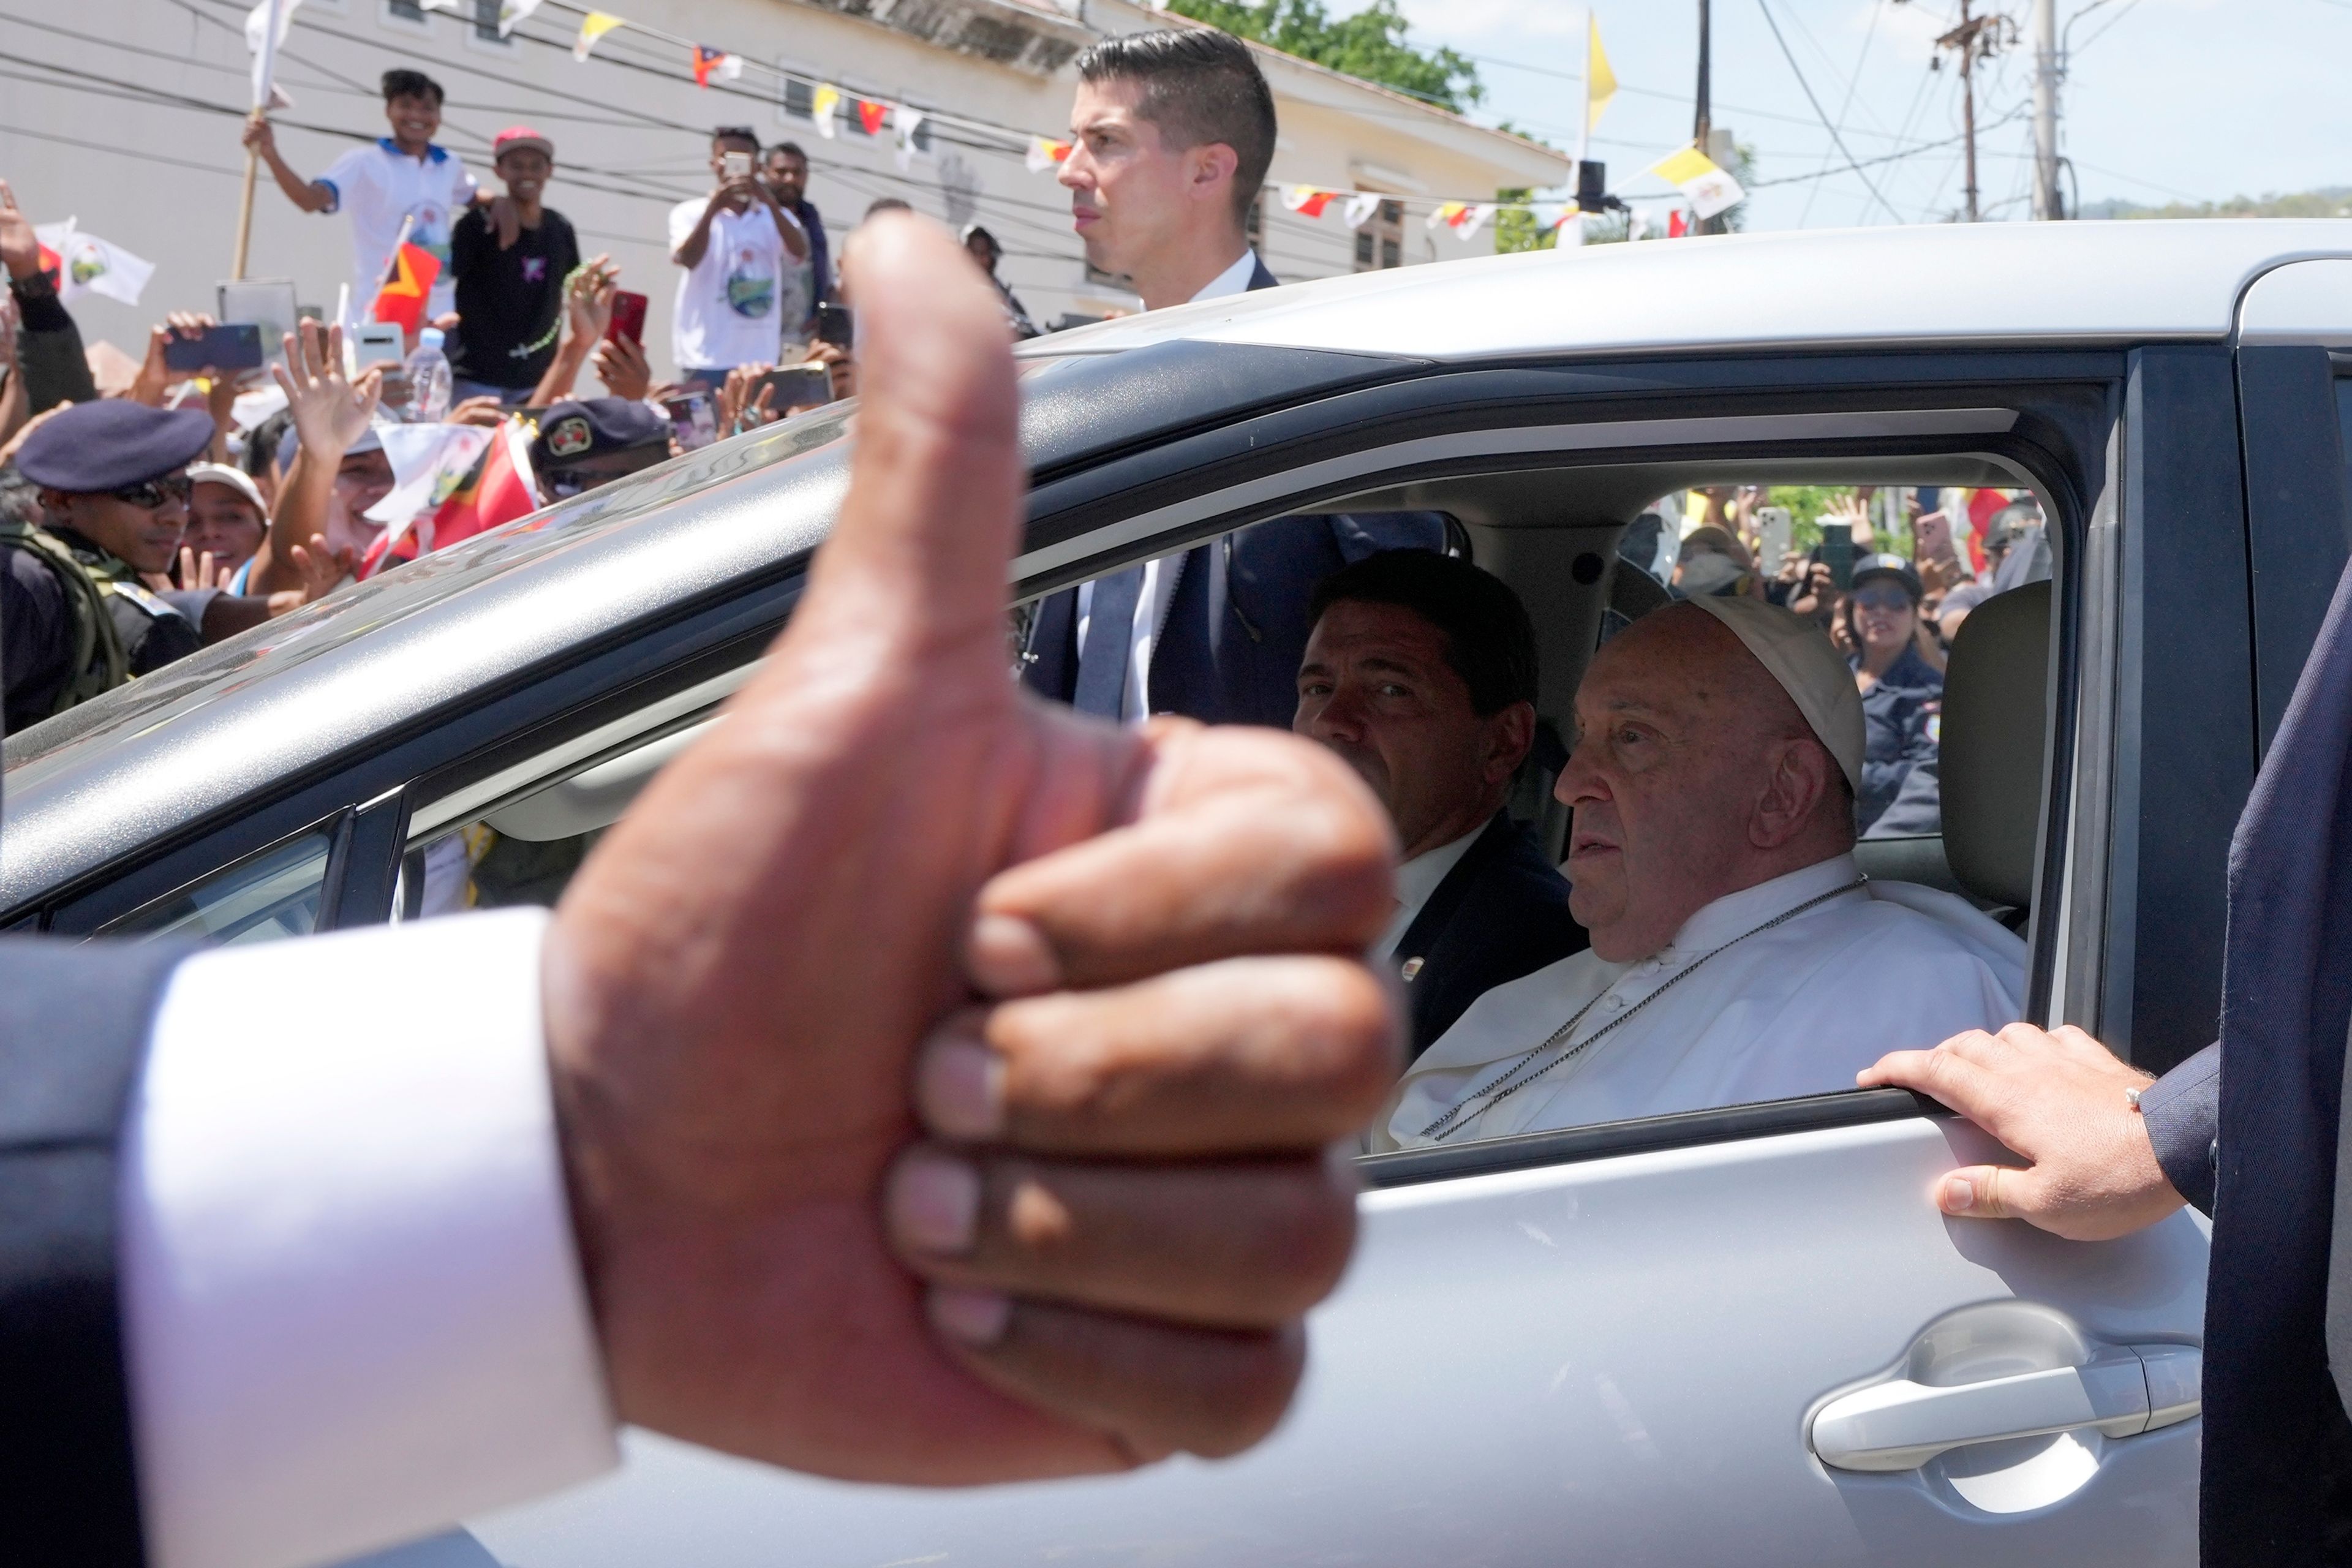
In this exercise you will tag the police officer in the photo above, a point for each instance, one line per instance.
(593, 441)
(75, 618)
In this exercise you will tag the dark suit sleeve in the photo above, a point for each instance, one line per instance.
(74, 1022)
(2183, 1111)
(50, 350)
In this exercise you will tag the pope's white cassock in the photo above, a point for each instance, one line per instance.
(1797, 1010)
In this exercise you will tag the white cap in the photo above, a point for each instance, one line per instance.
(1796, 652)
(234, 479)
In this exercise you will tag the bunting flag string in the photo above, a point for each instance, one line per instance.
(1307, 201)
(1708, 188)
(709, 62)
(593, 27)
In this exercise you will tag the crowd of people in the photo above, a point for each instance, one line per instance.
(1892, 614)
(131, 539)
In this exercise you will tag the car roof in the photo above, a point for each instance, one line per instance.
(2046, 283)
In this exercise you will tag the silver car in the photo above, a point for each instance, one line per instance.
(1738, 1335)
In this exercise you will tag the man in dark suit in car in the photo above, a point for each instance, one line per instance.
(1171, 133)
(1421, 672)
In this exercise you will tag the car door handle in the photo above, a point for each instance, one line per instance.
(1901, 1425)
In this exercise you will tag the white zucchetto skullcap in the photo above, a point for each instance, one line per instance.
(1797, 654)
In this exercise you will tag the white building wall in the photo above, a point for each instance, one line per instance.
(630, 129)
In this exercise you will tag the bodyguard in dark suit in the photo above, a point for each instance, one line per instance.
(1421, 671)
(2248, 1130)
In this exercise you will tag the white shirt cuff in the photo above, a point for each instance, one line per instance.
(353, 1311)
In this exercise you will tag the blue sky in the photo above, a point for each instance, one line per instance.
(2164, 99)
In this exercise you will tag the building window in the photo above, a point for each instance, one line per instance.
(800, 98)
(1380, 244)
(405, 11)
(486, 22)
(923, 136)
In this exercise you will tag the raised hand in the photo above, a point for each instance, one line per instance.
(322, 571)
(1121, 971)
(2057, 1096)
(329, 409)
(621, 365)
(20, 247)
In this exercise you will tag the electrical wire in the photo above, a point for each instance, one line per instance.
(1854, 85)
(1835, 138)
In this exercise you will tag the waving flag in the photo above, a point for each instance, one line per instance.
(1549, 215)
(825, 108)
(593, 27)
(1045, 154)
(513, 14)
(265, 42)
(499, 488)
(87, 265)
(907, 119)
(870, 115)
(1600, 81)
(407, 285)
(709, 62)
(1711, 189)
(1360, 208)
(1307, 201)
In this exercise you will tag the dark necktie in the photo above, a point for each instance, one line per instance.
(1110, 637)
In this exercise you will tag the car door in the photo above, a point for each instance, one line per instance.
(1737, 1335)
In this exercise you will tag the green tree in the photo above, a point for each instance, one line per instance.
(1371, 43)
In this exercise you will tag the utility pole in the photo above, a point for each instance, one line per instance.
(1702, 119)
(2047, 207)
(1976, 38)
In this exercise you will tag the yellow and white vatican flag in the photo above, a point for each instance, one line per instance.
(513, 14)
(1600, 81)
(593, 27)
(824, 106)
(1045, 154)
(1708, 188)
(1309, 201)
(906, 120)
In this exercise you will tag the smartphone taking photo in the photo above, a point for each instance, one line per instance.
(1837, 553)
(693, 420)
(230, 347)
(836, 325)
(735, 165)
(796, 387)
(628, 317)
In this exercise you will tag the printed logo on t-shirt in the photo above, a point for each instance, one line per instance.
(431, 230)
(534, 269)
(750, 287)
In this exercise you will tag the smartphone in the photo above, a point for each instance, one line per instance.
(693, 420)
(232, 347)
(268, 303)
(1837, 553)
(797, 386)
(628, 317)
(836, 325)
(1772, 527)
(377, 343)
(735, 165)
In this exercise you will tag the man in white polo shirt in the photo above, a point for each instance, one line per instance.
(382, 185)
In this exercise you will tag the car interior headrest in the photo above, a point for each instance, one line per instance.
(1995, 732)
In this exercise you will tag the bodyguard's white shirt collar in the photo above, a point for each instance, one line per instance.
(1417, 880)
(1233, 280)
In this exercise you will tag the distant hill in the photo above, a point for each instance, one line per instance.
(2334, 201)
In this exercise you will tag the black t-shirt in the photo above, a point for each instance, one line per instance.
(508, 299)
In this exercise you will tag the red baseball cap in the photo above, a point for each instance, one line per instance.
(515, 136)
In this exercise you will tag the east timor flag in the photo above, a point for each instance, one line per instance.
(407, 285)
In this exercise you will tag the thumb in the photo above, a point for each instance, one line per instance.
(929, 528)
(1993, 1192)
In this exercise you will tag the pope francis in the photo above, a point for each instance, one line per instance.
(1738, 952)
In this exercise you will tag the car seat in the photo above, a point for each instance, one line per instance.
(1996, 737)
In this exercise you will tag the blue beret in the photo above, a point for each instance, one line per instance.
(111, 445)
(571, 434)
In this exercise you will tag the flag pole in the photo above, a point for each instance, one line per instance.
(262, 83)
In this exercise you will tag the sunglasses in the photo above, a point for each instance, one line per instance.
(1883, 599)
(154, 495)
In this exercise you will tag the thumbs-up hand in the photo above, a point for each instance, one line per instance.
(946, 1079)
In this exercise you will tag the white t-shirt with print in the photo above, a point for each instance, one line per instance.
(735, 304)
(378, 185)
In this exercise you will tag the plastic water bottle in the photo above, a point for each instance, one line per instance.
(428, 380)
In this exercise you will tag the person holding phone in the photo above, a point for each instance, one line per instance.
(745, 277)
(510, 293)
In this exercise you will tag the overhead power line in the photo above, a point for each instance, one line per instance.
(1835, 138)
